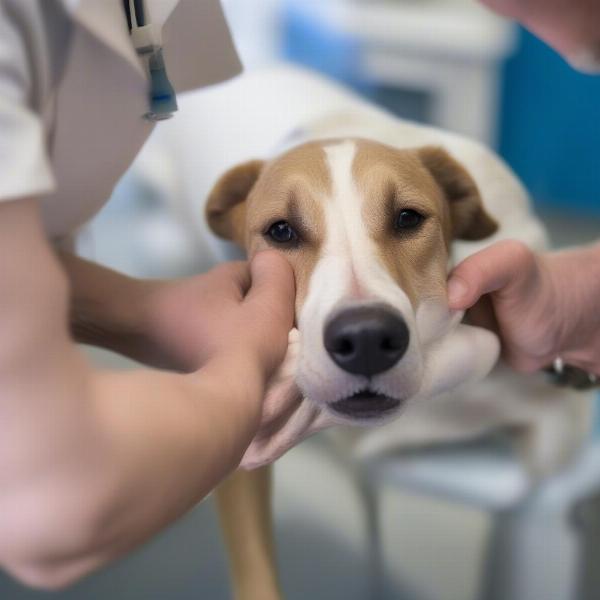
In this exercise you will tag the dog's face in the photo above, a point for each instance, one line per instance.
(366, 228)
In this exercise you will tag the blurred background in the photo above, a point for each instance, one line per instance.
(445, 62)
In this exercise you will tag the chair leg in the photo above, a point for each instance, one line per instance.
(532, 555)
(370, 500)
(586, 520)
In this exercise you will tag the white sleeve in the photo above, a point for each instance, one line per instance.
(25, 168)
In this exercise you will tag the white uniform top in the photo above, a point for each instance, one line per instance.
(73, 93)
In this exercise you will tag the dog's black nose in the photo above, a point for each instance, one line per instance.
(366, 340)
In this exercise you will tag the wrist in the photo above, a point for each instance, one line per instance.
(241, 379)
(237, 388)
(104, 305)
(577, 280)
(119, 313)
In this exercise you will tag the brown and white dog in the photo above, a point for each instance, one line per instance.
(371, 212)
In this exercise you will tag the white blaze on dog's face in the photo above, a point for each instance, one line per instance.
(366, 228)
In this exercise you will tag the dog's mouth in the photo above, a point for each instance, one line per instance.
(366, 404)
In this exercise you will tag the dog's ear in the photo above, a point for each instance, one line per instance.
(226, 205)
(470, 221)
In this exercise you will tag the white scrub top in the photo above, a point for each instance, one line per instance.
(73, 94)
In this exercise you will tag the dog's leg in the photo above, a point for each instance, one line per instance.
(244, 502)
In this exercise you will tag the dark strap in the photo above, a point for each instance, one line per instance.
(573, 377)
(138, 7)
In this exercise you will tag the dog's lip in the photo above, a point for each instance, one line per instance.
(366, 404)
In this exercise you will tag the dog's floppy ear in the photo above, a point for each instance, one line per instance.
(470, 221)
(225, 208)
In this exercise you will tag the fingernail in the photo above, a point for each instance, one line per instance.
(457, 290)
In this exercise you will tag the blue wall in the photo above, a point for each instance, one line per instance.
(308, 42)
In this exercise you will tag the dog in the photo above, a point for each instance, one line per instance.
(371, 212)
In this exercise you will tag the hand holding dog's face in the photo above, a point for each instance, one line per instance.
(287, 417)
(366, 228)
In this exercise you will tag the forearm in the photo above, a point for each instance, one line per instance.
(92, 463)
(104, 307)
(152, 321)
(146, 447)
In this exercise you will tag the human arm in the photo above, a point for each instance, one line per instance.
(168, 324)
(94, 462)
(569, 26)
(542, 305)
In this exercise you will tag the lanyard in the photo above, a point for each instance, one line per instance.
(147, 42)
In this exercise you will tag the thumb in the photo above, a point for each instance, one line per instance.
(272, 288)
(270, 306)
(504, 266)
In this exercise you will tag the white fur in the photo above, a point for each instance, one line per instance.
(299, 106)
(442, 353)
(451, 403)
(348, 260)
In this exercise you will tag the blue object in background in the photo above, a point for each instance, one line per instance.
(549, 119)
(313, 44)
(550, 127)
(308, 42)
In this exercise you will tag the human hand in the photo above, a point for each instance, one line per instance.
(236, 311)
(463, 354)
(541, 305)
(81, 448)
(287, 417)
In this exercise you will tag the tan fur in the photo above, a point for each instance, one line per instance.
(252, 196)
(249, 198)
(225, 209)
(469, 219)
(392, 180)
(244, 503)
(289, 188)
(429, 181)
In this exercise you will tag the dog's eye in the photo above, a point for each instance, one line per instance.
(408, 219)
(282, 233)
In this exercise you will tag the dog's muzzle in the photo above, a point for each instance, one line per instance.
(366, 340)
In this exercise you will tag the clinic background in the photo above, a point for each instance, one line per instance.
(447, 62)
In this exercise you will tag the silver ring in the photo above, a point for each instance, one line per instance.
(567, 375)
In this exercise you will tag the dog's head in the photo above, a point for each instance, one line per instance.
(367, 229)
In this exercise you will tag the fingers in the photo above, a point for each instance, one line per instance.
(235, 276)
(255, 305)
(267, 311)
(502, 266)
(267, 283)
(481, 314)
(273, 285)
(297, 427)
